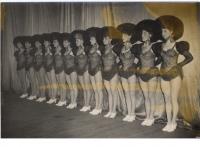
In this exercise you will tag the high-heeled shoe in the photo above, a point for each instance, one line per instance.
(97, 112)
(150, 122)
(144, 122)
(87, 108)
(131, 118)
(166, 127)
(61, 103)
(41, 99)
(24, 95)
(107, 115)
(51, 101)
(73, 106)
(113, 115)
(33, 97)
(69, 106)
(93, 111)
(125, 118)
(172, 127)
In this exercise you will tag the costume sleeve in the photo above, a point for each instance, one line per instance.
(183, 48)
(157, 50)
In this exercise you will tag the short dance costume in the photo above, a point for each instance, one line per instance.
(110, 67)
(170, 69)
(82, 63)
(128, 67)
(21, 59)
(39, 61)
(95, 62)
(58, 63)
(29, 59)
(69, 63)
(48, 62)
(147, 62)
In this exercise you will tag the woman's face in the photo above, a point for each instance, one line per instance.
(37, 44)
(93, 40)
(166, 33)
(79, 42)
(146, 35)
(27, 44)
(55, 43)
(19, 45)
(106, 40)
(46, 43)
(126, 37)
(66, 43)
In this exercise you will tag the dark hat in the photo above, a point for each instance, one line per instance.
(46, 37)
(18, 39)
(112, 33)
(95, 32)
(37, 38)
(127, 28)
(172, 23)
(151, 26)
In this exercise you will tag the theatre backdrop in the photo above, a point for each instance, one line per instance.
(38, 18)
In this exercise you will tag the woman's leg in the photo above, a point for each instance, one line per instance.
(81, 81)
(145, 90)
(110, 103)
(165, 87)
(99, 89)
(175, 85)
(54, 83)
(114, 91)
(92, 79)
(22, 78)
(33, 83)
(132, 81)
(152, 85)
(88, 88)
(125, 86)
(67, 78)
(74, 89)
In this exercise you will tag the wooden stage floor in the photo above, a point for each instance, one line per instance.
(22, 118)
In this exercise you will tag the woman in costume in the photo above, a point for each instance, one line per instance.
(171, 70)
(148, 53)
(94, 68)
(70, 68)
(80, 37)
(21, 60)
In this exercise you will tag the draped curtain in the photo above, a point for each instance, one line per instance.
(37, 18)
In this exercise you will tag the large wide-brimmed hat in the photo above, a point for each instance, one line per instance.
(151, 26)
(172, 23)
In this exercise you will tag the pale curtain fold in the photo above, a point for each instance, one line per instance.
(38, 18)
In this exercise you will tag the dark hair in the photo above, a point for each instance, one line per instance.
(112, 33)
(81, 34)
(151, 26)
(18, 39)
(96, 33)
(38, 38)
(130, 29)
(56, 36)
(172, 23)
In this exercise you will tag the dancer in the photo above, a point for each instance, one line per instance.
(171, 70)
(70, 68)
(95, 65)
(20, 58)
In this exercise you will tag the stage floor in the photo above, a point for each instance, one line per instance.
(22, 118)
